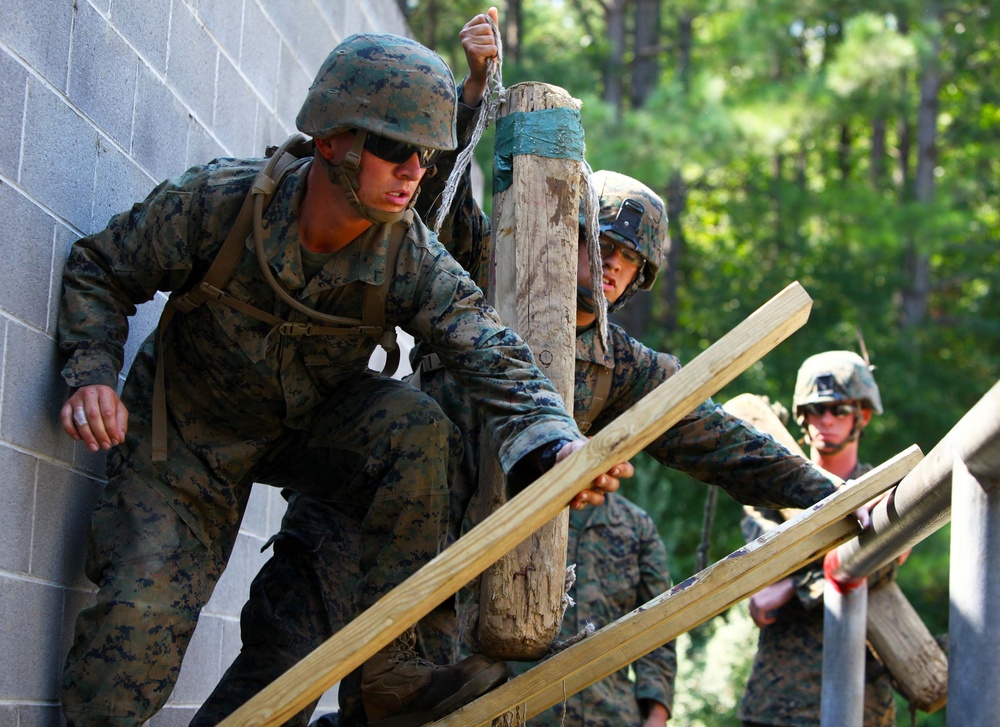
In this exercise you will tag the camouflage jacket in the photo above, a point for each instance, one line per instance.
(709, 444)
(234, 383)
(621, 563)
(785, 683)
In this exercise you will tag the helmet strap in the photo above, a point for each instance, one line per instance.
(347, 175)
(855, 434)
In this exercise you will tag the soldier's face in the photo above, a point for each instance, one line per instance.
(384, 185)
(618, 273)
(827, 429)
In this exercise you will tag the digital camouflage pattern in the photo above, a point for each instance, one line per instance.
(835, 376)
(313, 554)
(621, 563)
(652, 239)
(385, 84)
(246, 403)
(786, 680)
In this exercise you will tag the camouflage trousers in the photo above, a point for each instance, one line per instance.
(381, 456)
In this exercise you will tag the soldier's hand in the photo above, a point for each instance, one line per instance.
(765, 603)
(608, 482)
(480, 46)
(96, 416)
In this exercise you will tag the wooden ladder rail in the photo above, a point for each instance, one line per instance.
(629, 434)
(772, 556)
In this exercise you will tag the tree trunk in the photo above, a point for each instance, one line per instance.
(615, 67)
(646, 68)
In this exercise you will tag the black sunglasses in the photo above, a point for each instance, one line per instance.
(632, 257)
(838, 410)
(398, 152)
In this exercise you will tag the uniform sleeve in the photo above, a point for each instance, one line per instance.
(655, 672)
(518, 407)
(109, 273)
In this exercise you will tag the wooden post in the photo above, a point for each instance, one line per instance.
(625, 437)
(534, 264)
(895, 629)
(692, 602)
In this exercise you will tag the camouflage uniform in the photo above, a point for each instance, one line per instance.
(621, 564)
(246, 403)
(786, 681)
(305, 592)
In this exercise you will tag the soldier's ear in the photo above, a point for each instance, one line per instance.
(866, 417)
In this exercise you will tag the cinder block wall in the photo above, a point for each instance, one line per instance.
(99, 100)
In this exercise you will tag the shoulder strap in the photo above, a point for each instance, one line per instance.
(601, 392)
(373, 309)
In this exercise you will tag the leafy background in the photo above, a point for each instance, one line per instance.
(851, 146)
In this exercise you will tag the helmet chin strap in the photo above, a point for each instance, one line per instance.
(347, 175)
(834, 448)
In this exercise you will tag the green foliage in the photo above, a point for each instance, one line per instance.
(793, 127)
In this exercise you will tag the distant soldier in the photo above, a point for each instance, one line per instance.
(835, 398)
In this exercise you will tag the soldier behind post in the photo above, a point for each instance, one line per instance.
(835, 399)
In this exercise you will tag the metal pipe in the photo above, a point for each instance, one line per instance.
(845, 620)
(921, 502)
(973, 628)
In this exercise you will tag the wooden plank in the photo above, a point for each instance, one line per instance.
(540, 502)
(775, 554)
(535, 223)
(895, 629)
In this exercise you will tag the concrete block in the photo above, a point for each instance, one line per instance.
(29, 643)
(269, 131)
(13, 85)
(255, 520)
(304, 29)
(260, 53)
(191, 62)
(293, 84)
(40, 32)
(62, 181)
(202, 147)
(160, 131)
(351, 18)
(63, 508)
(202, 666)
(224, 20)
(173, 716)
(33, 715)
(145, 23)
(140, 326)
(64, 239)
(25, 277)
(119, 183)
(234, 586)
(386, 16)
(33, 394)
(235, 111)
(276, 511)
(17, 503)
(102, 75)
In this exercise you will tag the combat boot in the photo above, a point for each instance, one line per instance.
(399, 689)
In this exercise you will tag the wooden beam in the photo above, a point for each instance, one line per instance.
(536, 232)
(775, 554)
(895, 630)
(540, 502)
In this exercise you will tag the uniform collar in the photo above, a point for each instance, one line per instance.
(589, 348)
(364, 259)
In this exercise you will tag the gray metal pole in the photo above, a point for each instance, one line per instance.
(845, 619)
(974, 621)
(921, 503)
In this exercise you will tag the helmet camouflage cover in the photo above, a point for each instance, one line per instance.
(634, 215)
(836, 376)
(387, 85)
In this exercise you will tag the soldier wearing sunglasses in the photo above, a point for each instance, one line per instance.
(267, 382)
(835, 399)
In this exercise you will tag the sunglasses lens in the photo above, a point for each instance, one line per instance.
(838, 410)
(398, 152)
(627, 254)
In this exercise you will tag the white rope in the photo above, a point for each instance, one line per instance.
(591, 208)
(493, 96)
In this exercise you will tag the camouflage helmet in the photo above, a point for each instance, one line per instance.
(836, 376)
(387, 85)
(634, 215)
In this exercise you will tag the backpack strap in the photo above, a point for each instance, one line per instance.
(601, 392)
(373, 308)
